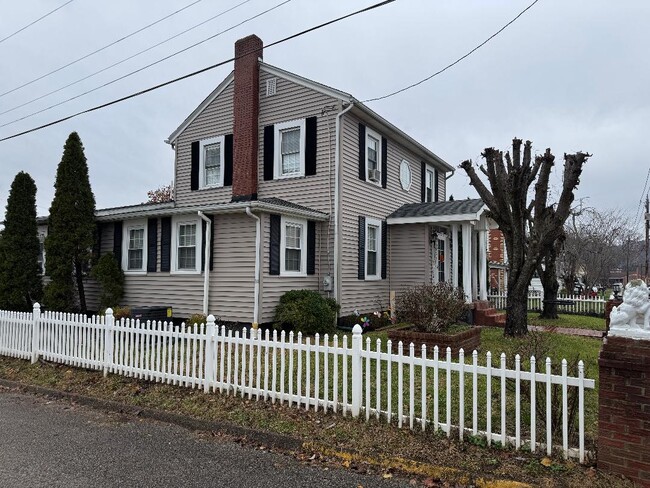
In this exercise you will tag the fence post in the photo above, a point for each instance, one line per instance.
(210, 371)
(109, 321)
(357, 374)
(36, 332)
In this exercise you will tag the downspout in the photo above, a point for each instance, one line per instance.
(337, 203)
(206, 267)
(258, 266)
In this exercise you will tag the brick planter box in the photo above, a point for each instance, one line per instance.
(468, 340)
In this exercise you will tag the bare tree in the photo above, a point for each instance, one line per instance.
(510, 179)
(598, 241)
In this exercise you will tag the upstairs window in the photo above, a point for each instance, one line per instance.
(373, 157)
(211, 167)
(290, 149)
(430, 184)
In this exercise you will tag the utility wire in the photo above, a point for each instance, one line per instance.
(455, 62)
(131, 73)
(91, 54)
(189, 75)
(121, 61)
(637, 216)
(37, 20)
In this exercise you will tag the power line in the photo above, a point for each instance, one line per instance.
(37, 20)
(189, 75)
(645, 186)
(122, 60)
(131, 73)
(455, 62)
(91, 54)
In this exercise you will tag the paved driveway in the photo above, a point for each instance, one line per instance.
(53, 443)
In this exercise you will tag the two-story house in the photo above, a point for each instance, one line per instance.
(282, 183)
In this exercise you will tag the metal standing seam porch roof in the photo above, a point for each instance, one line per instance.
(453, 211)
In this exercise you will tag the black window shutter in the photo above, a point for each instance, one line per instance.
(227, 156)
(165, 243)
(194, 174)
(152, 244)
(311, 247)
(117, 242)
(362, 248)
(97, 246)
(436, 196)
(384, 248)
(384, 162)
(203, 239)
(423, 181)
(310, 146)
(274, 247)
(362, 152)
(269, 136)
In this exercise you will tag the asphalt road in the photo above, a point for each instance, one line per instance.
(57, 444)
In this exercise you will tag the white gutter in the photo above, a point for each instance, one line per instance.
(337, 203)
(206, 267)
(258, 266)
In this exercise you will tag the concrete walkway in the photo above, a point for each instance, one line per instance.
(598, 334)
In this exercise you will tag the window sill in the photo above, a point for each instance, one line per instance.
(185, 272)
(377, 184)
(134, 272)
(289, 177)
(210, 187)
(373, 278)
(288, 274)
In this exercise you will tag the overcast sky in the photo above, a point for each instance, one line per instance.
(569, 75)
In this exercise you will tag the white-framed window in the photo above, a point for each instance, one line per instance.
(134, 246)
(211, 162)
(186, 245)
(405, 178)
(293, 247)
(373, 249)
(430, 181)
(289, 161)
(373, 157)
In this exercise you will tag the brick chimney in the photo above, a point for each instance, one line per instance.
(246, 113)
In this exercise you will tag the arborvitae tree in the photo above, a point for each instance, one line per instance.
(110, 276)
(71, 230)
(19, 270)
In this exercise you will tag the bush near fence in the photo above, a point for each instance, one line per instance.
(393, 383)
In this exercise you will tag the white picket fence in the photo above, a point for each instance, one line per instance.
(582, 304)
(335, 374)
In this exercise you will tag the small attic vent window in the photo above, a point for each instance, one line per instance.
(271, 86)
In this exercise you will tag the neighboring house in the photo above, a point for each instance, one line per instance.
(282, 183)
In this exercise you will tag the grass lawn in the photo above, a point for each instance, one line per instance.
(569, 321)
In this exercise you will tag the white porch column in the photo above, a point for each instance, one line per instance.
(482, 263)
(474, 266)
(454, 255)
(467, 261)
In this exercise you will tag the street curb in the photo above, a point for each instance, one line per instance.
(269, 439)
(272, 440)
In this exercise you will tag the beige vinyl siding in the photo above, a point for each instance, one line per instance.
(361, 198)
(232, 281)
(215, 120)
(292, 102)
(274, 286)
(409, 256)
(442, 186)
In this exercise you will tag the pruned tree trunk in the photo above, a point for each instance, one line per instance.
(548, 277)
(529, 229)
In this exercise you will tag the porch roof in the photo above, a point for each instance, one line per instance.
(454, 211)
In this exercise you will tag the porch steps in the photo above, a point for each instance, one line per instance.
(486, 315)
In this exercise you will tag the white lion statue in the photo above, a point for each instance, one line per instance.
(635, 306)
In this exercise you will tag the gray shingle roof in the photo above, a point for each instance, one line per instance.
(284, 203)
(456, 207)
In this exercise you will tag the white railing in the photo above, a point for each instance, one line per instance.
(582, 304)
(375, 380)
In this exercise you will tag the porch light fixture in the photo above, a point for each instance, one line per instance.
(616, 288)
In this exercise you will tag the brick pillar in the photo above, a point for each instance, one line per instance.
(246, 107)
(624, 408)
(609, 304)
